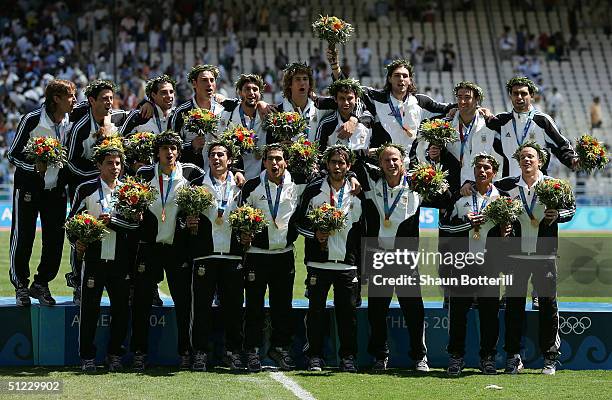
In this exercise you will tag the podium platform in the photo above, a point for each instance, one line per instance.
(40, 335)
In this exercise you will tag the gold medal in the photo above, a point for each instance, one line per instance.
(219, 221)
(387, 223)
(476, 235)
(163, 216)
(535, 222)
(408, 132)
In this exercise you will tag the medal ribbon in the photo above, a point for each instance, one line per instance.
(396, 113)
(279, 189)
(529, 209)
(475, 207)
(465, 136)
(104, 208)
(389, 210)
(157, 119)
(243, 119)
(164, 199)
(222, 204)
(525, 129)
(340, 195)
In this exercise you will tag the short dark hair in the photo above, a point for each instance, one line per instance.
(274, 146)
(154, 84)
(484, 156)
(340, 149)
(290, 71)
(195, 71)
(166, 138)
(476, 90)
(94, 88)
(250, 78)
(217, 143)
(521, 81)
(345, 85)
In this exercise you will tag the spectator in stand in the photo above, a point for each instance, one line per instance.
(521, 40)
(364, 55)
(595, 113)
(554, 103)
(506, 45)
(448, 57)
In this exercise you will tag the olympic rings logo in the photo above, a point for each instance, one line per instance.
(574, 325)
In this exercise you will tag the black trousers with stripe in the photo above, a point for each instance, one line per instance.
(318, 282)
(223, 276)
(96, 276)
(543, 275)
(153, 260)
(27, 206)
(275, 272)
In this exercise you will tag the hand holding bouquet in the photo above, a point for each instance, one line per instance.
(428, 181)
(503, 211)
(303, 156)
(133, 197)
(333, 30)
(139, 147)
(45, 151)
(248, 221)
(201, 121)
(327, 219)
(555, 194)
(193, 201)
(285, 125)
(86, 229)
(438, 132)
(591, 153)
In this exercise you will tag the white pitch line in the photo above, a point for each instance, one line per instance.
(292, 386)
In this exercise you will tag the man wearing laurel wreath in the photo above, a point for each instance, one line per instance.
(217, 264)
(249, 88)
(163, 248)
(106, 262)
(533, 255)
(332, 258)
(392, 212)
(39, 189)
(270, 260)
(160, 92)
(466, 231)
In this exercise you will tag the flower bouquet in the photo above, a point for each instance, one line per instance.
(246, 219)
(201, 121)
(428, 181)
(86, 228)
(333, 30)
(133, 197)
(242, 139)
(46, 150)
(303, 156)
(503, 211)
(285, 125)
(193, 201)
(591, 153)
(555, 194)
(139, 147)
(327, 218)
(438, 132)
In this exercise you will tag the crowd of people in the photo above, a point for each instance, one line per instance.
(366, 154)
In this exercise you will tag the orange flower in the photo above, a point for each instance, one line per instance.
(337, 26)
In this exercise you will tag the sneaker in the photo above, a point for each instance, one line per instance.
(157, 301)
(185, 361)
(42, 293)
(514, 364)
(282, 358)
(315, 364)
(22, 297)
(76, 296)
(380, 364)
(455, 366)
(233, 361)
(347, 364)
(487, 366)
(114, 363)
(199, 361)
(550, 366)
(535, 303)
(421, 365)
(139, 362)
(88, 365)
(253, 361)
